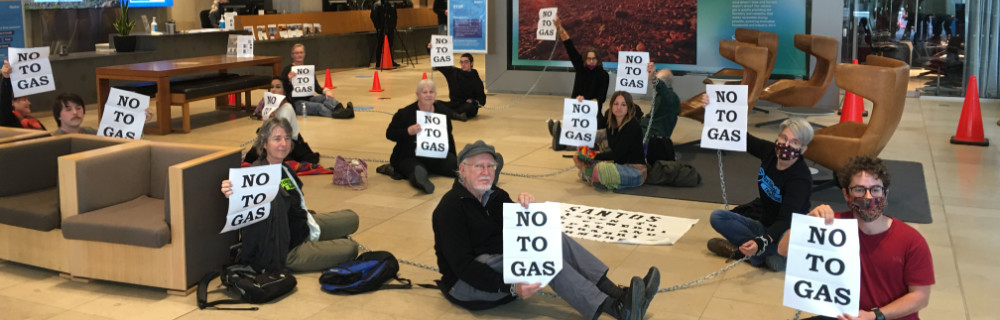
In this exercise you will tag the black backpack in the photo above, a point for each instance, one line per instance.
(250, 285)
(368, 272)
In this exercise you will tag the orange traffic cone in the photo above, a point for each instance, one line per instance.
(386, 55)
(376, 86)
(329, 82)
(424, 77)
(854, 106)
(970, 124)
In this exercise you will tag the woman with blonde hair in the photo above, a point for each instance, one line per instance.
(623, 166)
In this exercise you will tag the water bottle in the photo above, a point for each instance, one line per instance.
(153, 26)
(304, 112)
(222, 23)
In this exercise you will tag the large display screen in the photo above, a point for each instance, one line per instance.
(87, 4)
(682, 35)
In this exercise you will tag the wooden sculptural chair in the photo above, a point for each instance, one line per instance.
(754, 61)
(758, 38)
(805, 93)
(881, 80)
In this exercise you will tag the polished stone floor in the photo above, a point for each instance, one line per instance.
(962, 185)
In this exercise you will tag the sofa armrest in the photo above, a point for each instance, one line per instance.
(103, 177)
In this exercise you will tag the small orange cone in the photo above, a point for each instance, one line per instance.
(328, 84)
(970, 124)
(386, 55)
(854, 106)
(424, 77)
(376, 86)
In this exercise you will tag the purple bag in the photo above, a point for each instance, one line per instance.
(352, 173)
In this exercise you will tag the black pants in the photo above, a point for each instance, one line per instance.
(660, 148)
(470, 109)
(445, 167)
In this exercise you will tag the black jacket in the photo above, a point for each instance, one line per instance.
(591, 84)
(406, 145)
(625, 143)
(287, 83)
(440, 6)
(266, 244)
(463, 85)
(7, 117)
(781, 192)
(463, 230)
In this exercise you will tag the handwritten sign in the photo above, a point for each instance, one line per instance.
(271, 103)
(253, 190)
(432, 140)
(579, 123)
(824, 270)
(304, 81)
(124, 114)
(32, 72)
(632, 74)
(725, 118)
(442, 51)
(546, 24)
(532, 242)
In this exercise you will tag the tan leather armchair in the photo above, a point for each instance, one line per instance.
(806, 93)
(758, 38)
(149, 214)
(18, 134)
(881, 80)
(754, 61)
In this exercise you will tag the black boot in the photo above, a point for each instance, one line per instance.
(420, 180)
(630, 305)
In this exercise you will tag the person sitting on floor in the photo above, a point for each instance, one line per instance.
(68, 111)
(589, 83)
(465, 89)
(624, 165)
(309, 242)
(14, 111)
(784, 185)
(323, 104)
(301, 152)
(404, 129)
(468, 238)
(897, 270)
(659, 124)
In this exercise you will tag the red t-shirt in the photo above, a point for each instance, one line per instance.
(892, 261)
(29, 122)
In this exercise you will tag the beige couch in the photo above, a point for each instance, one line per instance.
(18, 134)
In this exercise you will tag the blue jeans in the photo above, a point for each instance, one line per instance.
(738, 229)
(319, 105)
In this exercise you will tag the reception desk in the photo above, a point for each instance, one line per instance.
(342, 22)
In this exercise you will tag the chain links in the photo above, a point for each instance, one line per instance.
(541, 175)
(376, 111)
(722, 180)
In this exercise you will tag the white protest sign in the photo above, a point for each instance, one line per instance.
(823, 275)
(579, 125)
(442, 51)
(271, 103)
(253, 190)
(304, 81)
(532, 242)
(546, 24)
(725, 118)
(432, 140)
(632, 74)
(31, 71)
(124, 114)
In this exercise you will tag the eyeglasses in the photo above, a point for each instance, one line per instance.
(480, 166)
(794, 143)
(859, 191)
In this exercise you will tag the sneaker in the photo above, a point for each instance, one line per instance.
(420, 180)
(652, 281)
(721, 247)
(629, 305)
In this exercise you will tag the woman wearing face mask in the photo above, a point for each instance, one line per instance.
(624, 166)
(589, 83)
(301, 152)
(784, 184)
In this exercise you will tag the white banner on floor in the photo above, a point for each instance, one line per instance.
(725, 118)
(304, 81)
(253, 190)
(620, 226)
(823, 275)
(532, 242)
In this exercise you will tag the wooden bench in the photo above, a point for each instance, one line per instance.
(185, 91)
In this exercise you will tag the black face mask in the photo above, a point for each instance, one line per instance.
(786, 152)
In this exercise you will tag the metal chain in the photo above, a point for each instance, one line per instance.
(530, 90)
(376, 111)
(722, 180)
(542, 175)
(248, 143)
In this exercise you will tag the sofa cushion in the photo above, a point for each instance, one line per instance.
(137, 222)
(37, 210)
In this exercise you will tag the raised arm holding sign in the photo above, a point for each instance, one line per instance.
(124, 114)
(546, 24)
(32, 72)
(725, 118)
(442, 51)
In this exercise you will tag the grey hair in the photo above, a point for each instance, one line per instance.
(668, 79)
(800, 127)
(426, 82)
(265, 131)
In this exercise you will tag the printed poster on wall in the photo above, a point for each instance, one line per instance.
(11, 26)
(467, 25)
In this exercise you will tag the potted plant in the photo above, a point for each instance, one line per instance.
(124, 42)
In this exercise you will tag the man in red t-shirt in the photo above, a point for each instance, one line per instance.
(896, 267)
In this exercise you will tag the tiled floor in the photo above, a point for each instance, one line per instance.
(962, 184)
